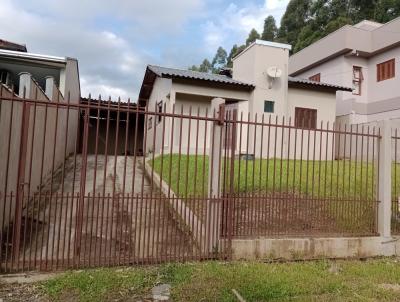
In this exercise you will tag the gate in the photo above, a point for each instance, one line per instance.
(76, 190)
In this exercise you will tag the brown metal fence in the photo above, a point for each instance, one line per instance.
(76, 190)
(395, 223)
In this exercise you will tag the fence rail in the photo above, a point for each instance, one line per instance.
(89, 183)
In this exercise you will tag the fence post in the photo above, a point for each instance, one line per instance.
(214, 170)
(384, 179)
(215, 149)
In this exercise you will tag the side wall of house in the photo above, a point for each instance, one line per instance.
(152, 124)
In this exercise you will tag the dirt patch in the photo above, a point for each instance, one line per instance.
(21, 292)
(292, 214)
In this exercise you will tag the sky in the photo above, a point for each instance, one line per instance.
(114, 40)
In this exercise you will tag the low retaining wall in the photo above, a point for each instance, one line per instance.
(312, 248)
(190, 221)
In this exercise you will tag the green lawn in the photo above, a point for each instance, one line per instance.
(343, 178)
(372, 280)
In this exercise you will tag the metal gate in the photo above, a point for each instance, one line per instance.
(76, 190)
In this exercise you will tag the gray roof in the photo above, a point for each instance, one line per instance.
(320, 84)
(195, 75)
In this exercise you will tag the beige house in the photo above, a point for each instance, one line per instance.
(365, 56)
(258, 85)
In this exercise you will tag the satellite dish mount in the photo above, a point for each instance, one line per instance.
(273, 73)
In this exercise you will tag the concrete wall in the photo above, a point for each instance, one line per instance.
(313, 248)
(48, 142)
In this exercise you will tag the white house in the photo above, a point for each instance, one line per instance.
(251, 88)
(365, 56)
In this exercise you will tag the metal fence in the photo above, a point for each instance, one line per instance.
(126, 184)
(395, 223)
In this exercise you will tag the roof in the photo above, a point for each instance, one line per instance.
(195, 75)
(31, 56)
(306, 82)
(4, 44)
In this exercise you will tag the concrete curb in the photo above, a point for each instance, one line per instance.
(192, 223)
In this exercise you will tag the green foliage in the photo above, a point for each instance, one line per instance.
(220, 60)
(253, 35)
(270, 30)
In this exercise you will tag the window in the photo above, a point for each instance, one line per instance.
(269, 106)
(160, 110)
(150, 123)
(305, 118)
(357, 80)
(385, 70)
(315, 77)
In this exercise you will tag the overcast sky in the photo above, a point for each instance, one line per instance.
(114, 40)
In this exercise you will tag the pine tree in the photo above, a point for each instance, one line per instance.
(253, 35)
(270, 30)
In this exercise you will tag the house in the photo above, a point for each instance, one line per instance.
(33, 143)
(258, 86)
(365, 56)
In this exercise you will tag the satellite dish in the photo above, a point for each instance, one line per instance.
(274, 72)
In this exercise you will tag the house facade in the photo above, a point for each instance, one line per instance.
(250, 88)
(366, 57)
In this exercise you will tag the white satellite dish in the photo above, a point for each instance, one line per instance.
(274, 72)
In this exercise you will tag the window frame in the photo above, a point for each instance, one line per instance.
(386, 70)
(358, 80)
(315, 77)
(301, 113)
(273, 106)
(159, 110)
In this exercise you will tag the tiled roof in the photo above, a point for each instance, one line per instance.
(195, 75)
(320, 84)
(12, 46)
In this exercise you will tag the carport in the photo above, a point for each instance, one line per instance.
(113, 132)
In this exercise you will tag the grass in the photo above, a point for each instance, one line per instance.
(343, 178)
(255, 281)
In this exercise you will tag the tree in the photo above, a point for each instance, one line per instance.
(293, 20)
(387, 10)
(193, 68)
(253, 35)
(205, 66)
(232, 53)
(270, 30)
(220, 60)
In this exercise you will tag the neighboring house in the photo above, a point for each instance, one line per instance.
(249, 89)
(365, 56)
(12, 46)
(39, 78)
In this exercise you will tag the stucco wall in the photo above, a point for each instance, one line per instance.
(47, 137)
